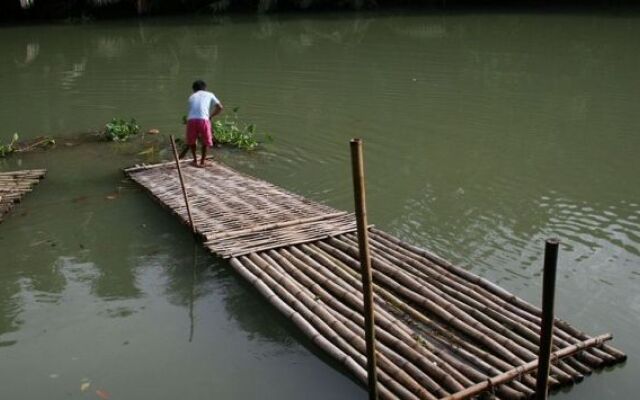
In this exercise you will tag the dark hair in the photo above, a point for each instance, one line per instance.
(199, 85)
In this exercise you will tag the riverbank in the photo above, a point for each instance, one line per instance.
(83, 11)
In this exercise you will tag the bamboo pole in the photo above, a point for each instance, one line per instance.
(530, 366)
(462, 344)
(492, 320)
(507, 302)
(414, 291)
(357, 169)
(399, 379)
(184, 190)
(546, 330)
(315, 276)
(335, 333)
(494, 307)
(434, 353)
(348, 279)
(305, 326)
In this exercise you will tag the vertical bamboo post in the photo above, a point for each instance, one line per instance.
(184, 190)
(357, 168)
(546, 327)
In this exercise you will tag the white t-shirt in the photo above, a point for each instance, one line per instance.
(200, 104)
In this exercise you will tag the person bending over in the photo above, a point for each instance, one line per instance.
(203, 106)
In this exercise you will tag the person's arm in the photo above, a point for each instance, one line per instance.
(217, 109)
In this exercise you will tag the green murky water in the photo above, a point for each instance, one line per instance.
(484, 135)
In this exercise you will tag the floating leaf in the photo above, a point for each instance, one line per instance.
(102, 394)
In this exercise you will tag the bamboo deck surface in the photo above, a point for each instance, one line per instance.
(440, 329)
(238, 214)
(14, 185)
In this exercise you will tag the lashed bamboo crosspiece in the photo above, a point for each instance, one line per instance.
(14, 185)
(442, 332)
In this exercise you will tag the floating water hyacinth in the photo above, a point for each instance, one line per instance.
(119, 130)
(231, 131)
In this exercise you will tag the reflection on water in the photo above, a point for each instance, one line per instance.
(116, 293)
(485, 134)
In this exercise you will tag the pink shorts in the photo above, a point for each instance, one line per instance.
(199, 128)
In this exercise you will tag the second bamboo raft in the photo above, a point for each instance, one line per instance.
(14, 185)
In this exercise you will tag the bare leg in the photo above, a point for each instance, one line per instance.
(193, 152)
(204, 155)
(184, 152)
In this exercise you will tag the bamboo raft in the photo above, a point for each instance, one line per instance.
(14, 185)
(442, 332)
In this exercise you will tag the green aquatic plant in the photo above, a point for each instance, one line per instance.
(14, 146)
(6, 149)
(230, 130)
(119, 130)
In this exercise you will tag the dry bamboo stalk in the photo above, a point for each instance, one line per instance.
(413, 290)
(530, 366)
(184, 190)
(320, 308)
(330, 329)
(498, 335)
(317, 282)
(440, 356)
(420, 317)
(359, 194)
(402, 363)
(456, 295)
(614, 355)
(474, 308)
(406, 335)
(304, 325)
(353, 282)
(480, 293)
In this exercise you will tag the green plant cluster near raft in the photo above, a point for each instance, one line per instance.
(230, 131)
(119, 130)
